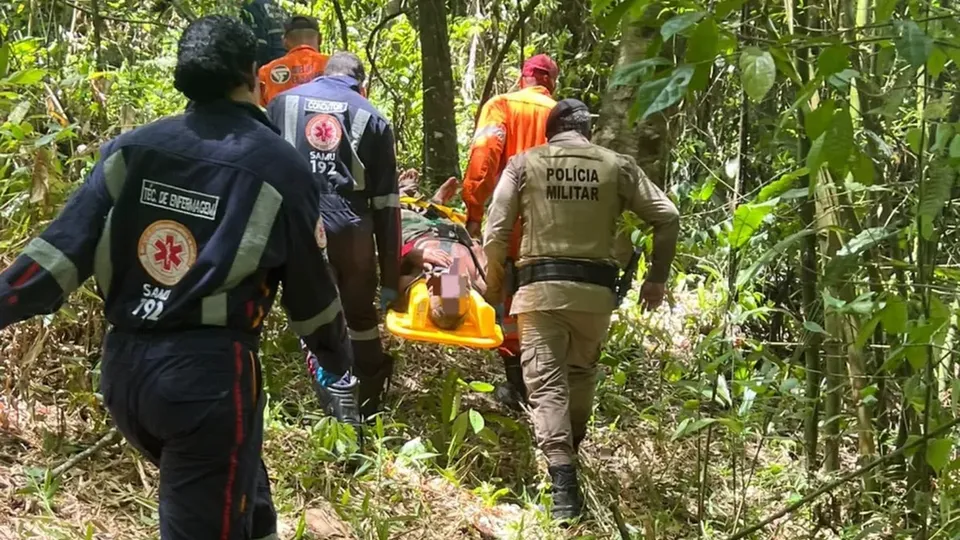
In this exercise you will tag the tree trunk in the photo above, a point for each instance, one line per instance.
(646, 141)
(440, 156)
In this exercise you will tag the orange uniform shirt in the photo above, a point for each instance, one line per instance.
(300, 65)
(509, 124)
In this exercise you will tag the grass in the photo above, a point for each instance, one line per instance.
(422, 476)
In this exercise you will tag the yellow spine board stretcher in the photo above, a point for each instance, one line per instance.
(479, 329)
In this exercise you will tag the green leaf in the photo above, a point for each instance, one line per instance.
(912, 44)
(780, 185)
(936, 62)
(863, 170)
(815, 157)
(914, 136)
(841, 81)
(866, 332)
(637, 70)
(895, 97)
(816, 122)
(937, 109)
(895, 315)
(480, 386)
(746, 221)
(954, 151)
(19, 112)
(866, 239)
(814, 327)
(703, 42)
(838, 142)
(944, 134)
(4, 59)
(785, 65)
(26, 77)
(655, 96)
(779, 250)
(609, 22)
(680, 23)
(476, 421)
(938, 453)
(884, 10)
(934, 193)
(687, 427)
(758, 72)
(727, 7)
(833, 59)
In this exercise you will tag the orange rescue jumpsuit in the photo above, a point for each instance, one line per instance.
(509, 124)
(300, 65)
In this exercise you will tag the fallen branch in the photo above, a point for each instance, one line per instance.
(107, 439)
(844, 479)
(502, 53)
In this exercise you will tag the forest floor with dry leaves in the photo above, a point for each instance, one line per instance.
(417, 480)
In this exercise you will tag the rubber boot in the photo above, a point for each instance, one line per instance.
(577, 441)
(567, 500)
(341, 401)
(374, 386)
(512, 393)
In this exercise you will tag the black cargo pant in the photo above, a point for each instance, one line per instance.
(353, 258)
(192, 403)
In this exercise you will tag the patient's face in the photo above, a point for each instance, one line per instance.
(449, 295)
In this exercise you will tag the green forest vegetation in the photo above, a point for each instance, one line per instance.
(801, 383)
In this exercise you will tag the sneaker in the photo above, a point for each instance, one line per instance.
(567, 500)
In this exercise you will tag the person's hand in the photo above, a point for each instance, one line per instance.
(447, 191)
(651, 294)
(387, 297)
(473, 227)
(437, 257)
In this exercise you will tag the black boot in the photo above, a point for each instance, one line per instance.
(374, 386)
(577, 441)
(341, 401)
(513, 392)
(567, 500)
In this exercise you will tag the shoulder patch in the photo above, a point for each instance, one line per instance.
(166, 251)
(324, 106)
(280, 74)
(323, 132)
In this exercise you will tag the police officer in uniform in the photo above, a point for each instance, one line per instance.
(350, 148)
(568, 195)
(189, 225)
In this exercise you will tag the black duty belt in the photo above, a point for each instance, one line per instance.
(595, 273)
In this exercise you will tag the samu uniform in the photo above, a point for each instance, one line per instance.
(350, 148)
(189, 225)
(568, 195)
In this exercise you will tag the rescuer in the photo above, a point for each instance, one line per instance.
(349, 146)
(508, 124)
(303, 62)
(567, 274)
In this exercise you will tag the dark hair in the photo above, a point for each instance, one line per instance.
(301, 22)
(345, 63)
(569, 115)
(215, 55)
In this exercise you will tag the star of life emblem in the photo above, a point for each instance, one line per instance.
(166, 251)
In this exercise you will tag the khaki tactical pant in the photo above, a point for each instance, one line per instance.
(560, 353)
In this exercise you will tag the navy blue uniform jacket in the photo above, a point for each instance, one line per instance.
(266, 18)
(350, 148)
(190, 222)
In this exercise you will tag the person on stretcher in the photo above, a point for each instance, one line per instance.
(439, 250)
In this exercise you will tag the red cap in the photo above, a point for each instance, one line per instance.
(541, 63)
